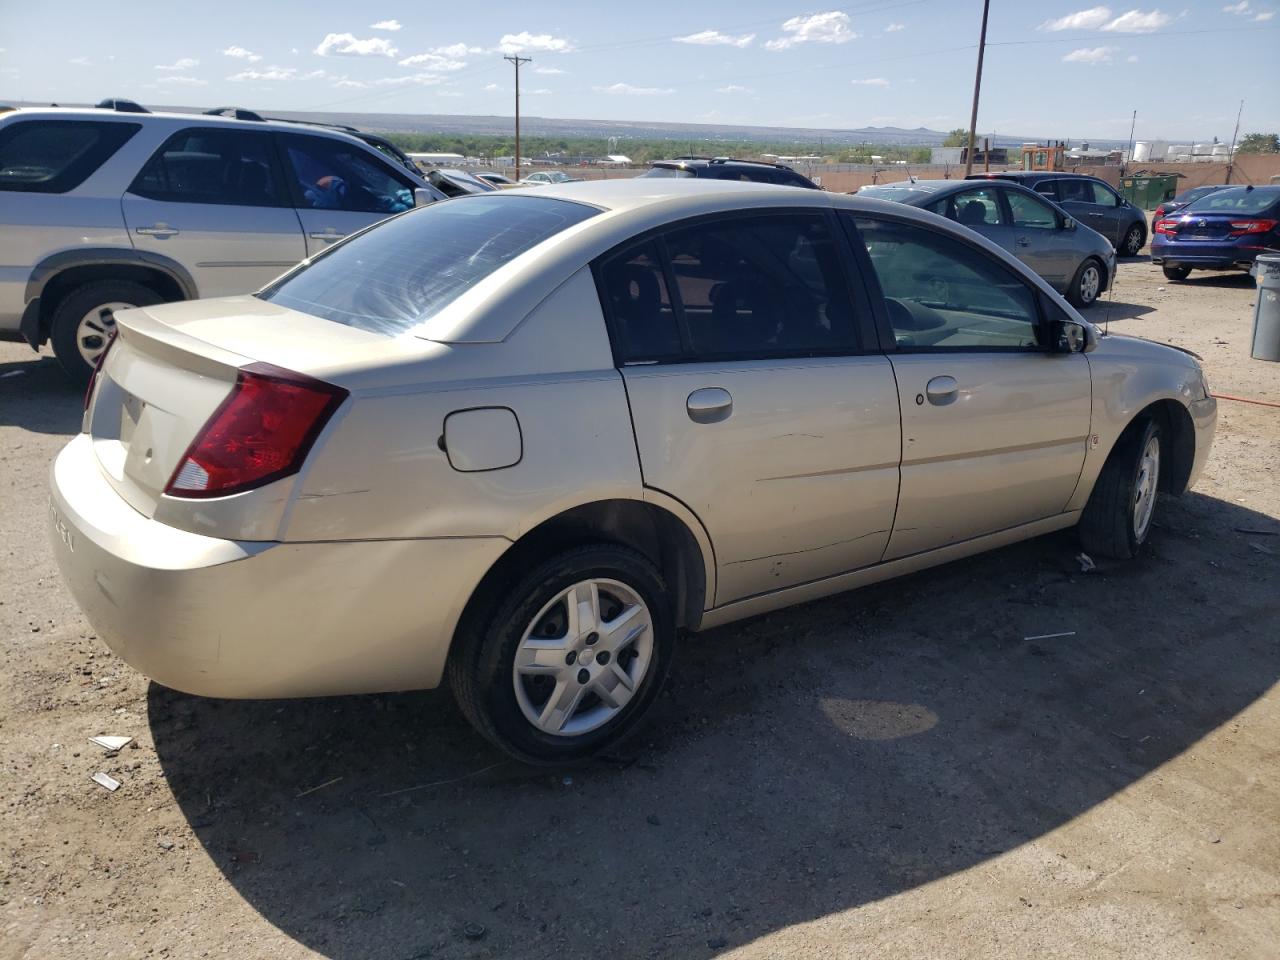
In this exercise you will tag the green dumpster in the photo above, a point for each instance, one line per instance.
(1148, 191)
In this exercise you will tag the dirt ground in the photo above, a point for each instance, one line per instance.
(895, 772)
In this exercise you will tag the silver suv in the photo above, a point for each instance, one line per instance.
(103, 209)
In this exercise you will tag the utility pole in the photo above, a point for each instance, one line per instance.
(1231, 157)
(1128, 157)
(517, 60)
(977, 88)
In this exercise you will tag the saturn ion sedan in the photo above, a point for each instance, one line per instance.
(528, 443)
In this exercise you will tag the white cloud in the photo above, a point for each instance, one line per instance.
(186, 63)
(1090, 19)
(80, 62)
(548, 71)
(1264, 16)
(628, 89)
(829, 27)
(347, 45)
(734, 88)
(895, 27)
(1135, 21)
(521, 42)
(456, 50)
(1131, 58)
(185, 81)
(871, 82)
(433, 61)
(390, 25)
(491, 86)
(240, 53)
(540, 91)
(714, 38)
(1238, 8)
(267, 73)
(1090, 55)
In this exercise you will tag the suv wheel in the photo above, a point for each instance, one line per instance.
(1133, 241)
(84, 322)
(571, 660)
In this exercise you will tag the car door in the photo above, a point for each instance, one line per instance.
(751, 398)
(1079, 198)
(340, 187)
(213, 199)
(1038, 237)
(993, 424)
(1112, 213)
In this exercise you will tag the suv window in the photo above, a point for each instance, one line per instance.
(328, 174)
(54, 156)
(1031, 213)
(667, 172)
(1086, 191)
(943, 294)
(407, 269)
(213, 165)
(761, 286)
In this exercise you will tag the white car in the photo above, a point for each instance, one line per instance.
(546, 177)
(523, 439)
(115, 207)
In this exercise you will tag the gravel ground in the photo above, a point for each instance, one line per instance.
(895, 772)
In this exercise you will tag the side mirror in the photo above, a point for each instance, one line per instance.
(1068, 336)
(422, 197)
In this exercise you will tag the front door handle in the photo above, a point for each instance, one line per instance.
(329, 234)
(1024, 242)
(942, 391)
(709, 405)
(161, 230)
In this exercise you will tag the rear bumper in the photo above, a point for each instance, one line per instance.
(224, 618)
(1204, 256)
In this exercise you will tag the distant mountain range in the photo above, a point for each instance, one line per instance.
(624, 129)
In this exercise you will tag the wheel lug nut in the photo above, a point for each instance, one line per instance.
(571, 657)
(592, 638)
(602, 657)
(583, 676)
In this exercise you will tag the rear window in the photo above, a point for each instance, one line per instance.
(900, 194)
(667, 172)
(1238, 200)
(407, 269)
(54, 156)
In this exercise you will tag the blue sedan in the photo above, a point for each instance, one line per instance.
(1225, 230)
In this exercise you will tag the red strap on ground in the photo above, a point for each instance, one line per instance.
(1227, 396)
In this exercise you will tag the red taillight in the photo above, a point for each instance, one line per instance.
(1243, 227)
(97, 366)
(260, 433)
(1168, 227)
(1159, 211)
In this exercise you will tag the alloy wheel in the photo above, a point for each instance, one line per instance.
(1132, 241)
(583, 657)
(1090, 282)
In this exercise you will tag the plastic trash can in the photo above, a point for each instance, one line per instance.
(1266, 309)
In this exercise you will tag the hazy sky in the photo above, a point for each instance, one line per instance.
(1053, 69)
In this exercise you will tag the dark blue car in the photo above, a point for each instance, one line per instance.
(1225, 230)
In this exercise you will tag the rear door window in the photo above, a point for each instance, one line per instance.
(1029, 213)
(328, 174)
(973, 208)
(405, 270)
(638, 302)
(54, 156)
(213, 165)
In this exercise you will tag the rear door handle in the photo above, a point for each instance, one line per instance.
(942, 391)
(709, 405)
(158, 230)
(328, 234)
(1024, 242)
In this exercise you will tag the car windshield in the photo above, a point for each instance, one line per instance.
(1236, 200)
(900, 194)
(667, 172)
(402, 272)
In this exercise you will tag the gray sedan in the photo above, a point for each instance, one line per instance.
(1077, 261)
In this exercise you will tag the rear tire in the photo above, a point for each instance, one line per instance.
(1087, 284)
(84, 322)
(550, 686)
(1133, 241)
(1118, 517)
(1177, 273)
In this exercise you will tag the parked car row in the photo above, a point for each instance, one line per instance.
(637, 409)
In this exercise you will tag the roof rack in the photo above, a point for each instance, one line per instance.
(120, 105)
(314, 123)
(236, 113)
(759, 163)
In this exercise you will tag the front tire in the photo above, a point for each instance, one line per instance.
(84, 322)
(571, 658)
(1117, 519)
(1087, 284)
(1133, 241)
(1177, 273)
